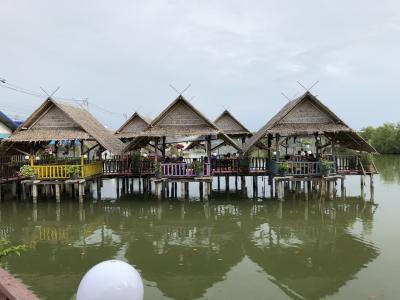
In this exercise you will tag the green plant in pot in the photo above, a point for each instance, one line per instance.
(198, 168)
(157, 170)
(73, 171)
(283, 168)
(27, 171)
(244, 164)
(326, 167)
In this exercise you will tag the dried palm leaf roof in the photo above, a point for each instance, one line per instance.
(308, 115)
(54, 120)
(179, 119)
(231, 125)
(133, 126)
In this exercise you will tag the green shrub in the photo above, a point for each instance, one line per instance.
(27, 171)
(197, 166)
(73, 170)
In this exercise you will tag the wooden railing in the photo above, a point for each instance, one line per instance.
(225, 165)
(182, 170)
(301, 168)
(126, 166)
(51, 172)
(13, 289)
(10, 165)
(259, 164)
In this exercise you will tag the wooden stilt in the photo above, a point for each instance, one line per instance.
(34, 192)
(57, 192)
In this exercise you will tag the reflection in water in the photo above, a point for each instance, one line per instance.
(308, 249)
(389, 167)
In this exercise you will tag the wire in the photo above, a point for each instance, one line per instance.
(82, 102)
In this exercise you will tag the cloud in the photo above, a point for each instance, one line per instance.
(239, 54)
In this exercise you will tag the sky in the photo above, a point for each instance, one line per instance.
(237, 55)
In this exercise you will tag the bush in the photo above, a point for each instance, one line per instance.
(73, 170)
(283, 167)
(326, 165)
(27, 171)
(6, 249)
(157, 168)
(197, 166)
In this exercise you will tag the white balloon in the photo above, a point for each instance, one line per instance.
(111, 279)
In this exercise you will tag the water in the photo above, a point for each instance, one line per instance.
(230, 247)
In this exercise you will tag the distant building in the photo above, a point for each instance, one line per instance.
(7, 126)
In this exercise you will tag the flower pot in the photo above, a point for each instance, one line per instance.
(74, 176)
(283, 173)
(158, 175)
(326, 173)
(199, 173)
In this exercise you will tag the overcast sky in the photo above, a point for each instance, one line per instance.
(240, 55)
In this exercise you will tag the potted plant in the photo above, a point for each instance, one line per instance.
(136, 163)
(326, 167)
(367, 161)
(157, 169)
(283, 168)
(198, 168)
(73, 171)
(244, 164)
(27, 171)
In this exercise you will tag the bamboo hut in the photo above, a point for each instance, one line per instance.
(62, 125)
(180, 120)
(132, 127)
(232, 126)
(307, 117)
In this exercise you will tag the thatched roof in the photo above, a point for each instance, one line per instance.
(230, 125)
(54, 120)
(179, 119)
(7, 121)
(133, 126)
(307, 115)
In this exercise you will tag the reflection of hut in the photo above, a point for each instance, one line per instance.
(307, 117)
(63, 126)
(189, 253)
(132, 127)
(307, 259)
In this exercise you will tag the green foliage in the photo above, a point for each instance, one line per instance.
(6, 248)
(326, 165)
(385, 139)
(27, 171)
(283, 167)
(244, 162)
(197, 166)
(157, 168)
(73, 170)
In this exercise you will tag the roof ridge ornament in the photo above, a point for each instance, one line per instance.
(180, 93)
(307, 89)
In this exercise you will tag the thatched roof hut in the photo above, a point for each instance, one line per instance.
(179, 119)
(231, 125)
(306, 115)
(58, 121)
(133, 126)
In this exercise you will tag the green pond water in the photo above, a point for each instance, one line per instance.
(230, 247)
